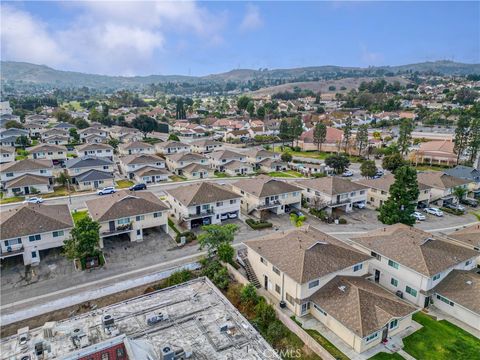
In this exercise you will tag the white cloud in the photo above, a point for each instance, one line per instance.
(110, 37)
(252, 19)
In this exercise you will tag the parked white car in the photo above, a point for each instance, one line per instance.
(434, 211)
(347, 173)
(360, 205)
(224, 216)
(232, 215)
(418, 216)
(106, 191)
(33, 200)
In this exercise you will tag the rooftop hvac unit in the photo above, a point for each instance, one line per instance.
(79, 338)
(108, 320)
(23, 335)
(49, 329)
(167, 353)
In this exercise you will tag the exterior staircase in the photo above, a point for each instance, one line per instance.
(243, 260)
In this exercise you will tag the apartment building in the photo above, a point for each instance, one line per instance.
(203, 204)
(30, 229)
(25, 176)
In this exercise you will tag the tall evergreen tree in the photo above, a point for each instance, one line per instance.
(319, 134)
(474, 140)
(296, 129)
(405, 135)
(284, 131)
(403, 198)
(362, 138)
(461, 136)
(347, 132)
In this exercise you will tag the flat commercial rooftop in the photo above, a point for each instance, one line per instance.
(193, 319)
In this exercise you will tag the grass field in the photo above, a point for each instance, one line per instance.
(440, 340)
(285, 174)
(386, 356)
(74, 105)
(11, 199)
(77, 216)
(123, 184)
(178, 178)
(318, 155)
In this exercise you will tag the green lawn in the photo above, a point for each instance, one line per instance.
(319, 155)
(386, 356)
(11, 199)
(221, 175)
(75, 105)
(60, 191)
(430, 168)
(440, 340)
(122, 184)
(178, 178)
(285, 174)
(77, 216)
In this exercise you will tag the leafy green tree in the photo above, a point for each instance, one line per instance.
(216, 235)
(296, 129)
(145, 124)
(459, 192)
(251, 108)
(319, 134)
(296, 220)
(248, 295)
(474, 139)
(74, 135)
(243, 102)
(62, 115)
(461, 136)
(173, 137)
(338, 162)
(265, 314)
(22, 141)
(405, 135)
(261, 112)
(361, 138)
(403, 198)
(226, 252)
(284, 132)
(84, 240)
(368, 169)
(95, 115)
(287, 157)
(113, 143)
(180, 109)
(63, 179)
(347, 132)
(13, 124)
(393, 162)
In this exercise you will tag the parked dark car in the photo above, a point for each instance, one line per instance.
(469, 202)
(138, 187)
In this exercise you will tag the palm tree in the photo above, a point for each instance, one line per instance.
(459, 192)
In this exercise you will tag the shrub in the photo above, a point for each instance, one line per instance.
(276, 331)
(265, 314)
(258, 225)
(233, 294)
(321, 214)
(452, 211)
(178, 277)
(342, 221)
(172, 225)
(189, 236)
(248, 295)
(221, 278)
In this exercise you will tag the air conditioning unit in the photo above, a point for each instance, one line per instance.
(167, 353)
(108, 320)
(399, 293)
(49, 329)
(23, 335)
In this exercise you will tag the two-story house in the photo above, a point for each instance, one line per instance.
(56, 153)
(172, 147)
(132, 163)
(442, 186)
(7, 154)
(136, 147)
(264, 194)
(97, 150)
(29, 229)
(27, 176)
(205, 146)
(237, 168)
(90, 173)
(256, 156)
(176, 162)
(331, 193)
(411, 262)
(34, 129)
(312, 273)
(467, 173)
(203, 204)
(468, 236)
(128, 212)
(379, 190)
(9, 137)
(219, 158)
(85, 133)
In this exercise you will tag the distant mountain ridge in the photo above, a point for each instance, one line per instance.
(26, 73)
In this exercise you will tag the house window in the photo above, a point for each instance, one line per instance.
(233, 201)
(220, 203)
(277, 288)
(289, 298)
(120, 353)
(411, 291)
(34, 254)
(352, 193)
(140, 217)
(371, 337)
(362, 192)
(305, 307)
(157, 214)
(375, 255)
(394, 282)
(313, 284)
(13, 242)
(34, 237)
(275, 270)
(319, 310)
(105, 356)
(123, 221)
(357, 267)
(295, 193)
(393, 264)
(393, 324)
(58, 233)
(436, 277)
(263, 261)
(139, 232)
(445, 300)
(468, 262)
(9, 174)
(43, 171)
(105, 167)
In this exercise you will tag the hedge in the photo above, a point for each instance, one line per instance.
(258, 225)
(452, 211)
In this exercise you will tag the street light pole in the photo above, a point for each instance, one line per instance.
(69, 194)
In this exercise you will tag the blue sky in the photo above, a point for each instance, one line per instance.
(199, 38)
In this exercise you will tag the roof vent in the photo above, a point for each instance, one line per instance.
(342, 288)
(469, 282)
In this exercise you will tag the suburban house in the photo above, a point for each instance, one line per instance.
(256, 156)
(125, 134)
(85, 133)
(54, 132)
(264, 194)
(219, 158)
(271, 165)
(411, 262)
(235, 168)
(205, 146)
(333, 193)
(57, 140)
(29, 229)
(379, 190)
(80, 165)
(172, 147)
(442, 186)
(468, 236)
(467, 173)
(27, 176)
(197, 171)
(94, 139)
(128, 212)
(7, 154)
(136, 147)
(56, 153)
(94, 179)
(332, 143)
(64, 126)
(313, 273)
(12, 134)
(34, 129)
(131, 163)
(203, 203)
(97, 150)
(236, 135)
(177, 162)
(150, 175)
(435, 152)
(458, 296)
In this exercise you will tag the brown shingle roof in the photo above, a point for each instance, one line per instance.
(462, 287)
(47, 147)
(27, 165)
(439, 180)
(306, 255)
(331, 185)
(31, 219)
(136, 145)
(27, 180)
(195, 167)
(469, 235)
(94, 147)
(360, 305)
(385, 182)
(414, 248)
(150, 170)
(201, 193)
(224, 154)
(186, 157)
(265, 186)
(123, 204)
(141, 159)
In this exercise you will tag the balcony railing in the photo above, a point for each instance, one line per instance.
(269, 205)
(339, 202)
(12, 251)
(118, 230)
(200, 214)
